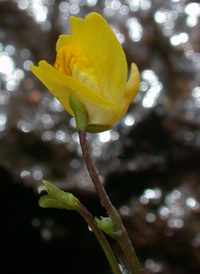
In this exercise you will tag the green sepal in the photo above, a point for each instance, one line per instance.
(105, 224)
(57, 198)
(47, 202)
(80, 113)
(92, 128)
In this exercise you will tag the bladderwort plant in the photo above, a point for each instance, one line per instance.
(89, 78)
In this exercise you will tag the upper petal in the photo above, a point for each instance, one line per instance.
(63, 41)
(100, 110)
(95, 38)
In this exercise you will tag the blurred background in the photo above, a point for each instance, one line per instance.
(149, 162)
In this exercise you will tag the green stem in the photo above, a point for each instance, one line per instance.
(120, 232)
(100, 237)
(129, 252)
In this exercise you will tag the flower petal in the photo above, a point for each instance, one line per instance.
(56, 85)
(75, 63)
(132, 86)
(100, 111)
(96, 39)
(63, 41)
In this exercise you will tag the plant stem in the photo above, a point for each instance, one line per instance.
(129, 252)
(100, 237)
(120, 231)
(104, 199)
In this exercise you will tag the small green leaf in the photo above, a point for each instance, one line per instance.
(57, 198)
(105, 224)
(92, 128)
(80, 113)
(47, 202)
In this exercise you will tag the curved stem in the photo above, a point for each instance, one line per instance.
(100, 237)
(104, 199)
(121, 234)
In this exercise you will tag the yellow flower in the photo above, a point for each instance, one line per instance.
(91, 66)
